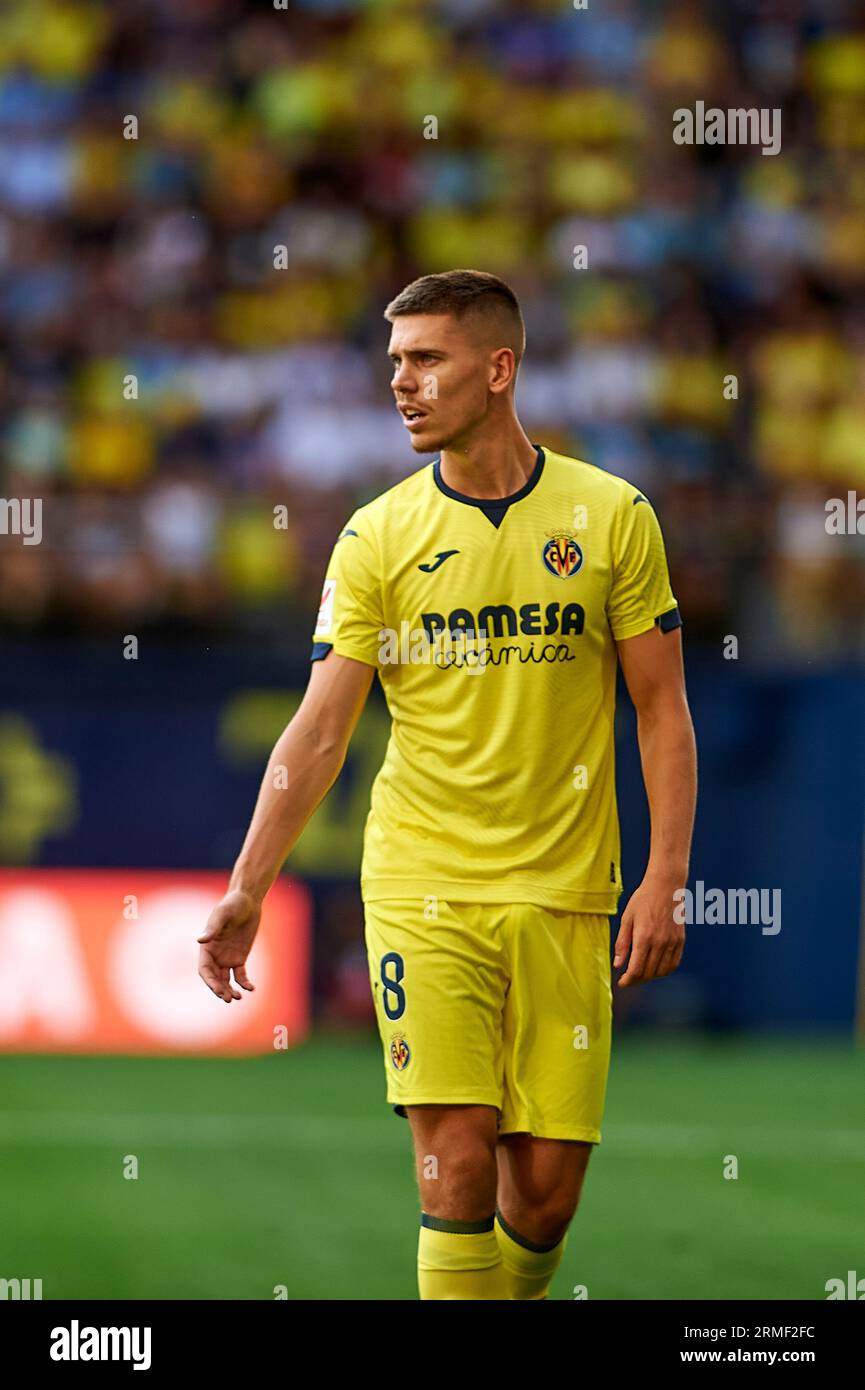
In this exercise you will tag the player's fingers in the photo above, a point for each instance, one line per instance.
(656, 961)
(211, 979)
(242, 978)
(229, 991)
(634, 973)
(623, 941)
(674, 955)
(216, 977)
(666, 953)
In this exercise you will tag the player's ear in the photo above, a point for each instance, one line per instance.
(502, 369)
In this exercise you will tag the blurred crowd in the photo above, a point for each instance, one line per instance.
(165, 385)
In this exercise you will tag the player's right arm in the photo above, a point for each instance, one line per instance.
(305, 762)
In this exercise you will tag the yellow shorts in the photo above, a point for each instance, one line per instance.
(494, 1004)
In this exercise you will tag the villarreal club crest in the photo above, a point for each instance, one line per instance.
(561, 555)
(400, 1053)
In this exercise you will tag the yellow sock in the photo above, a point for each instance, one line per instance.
(459, 1259)
(528, 1268)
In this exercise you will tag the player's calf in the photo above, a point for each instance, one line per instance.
(540, 1181)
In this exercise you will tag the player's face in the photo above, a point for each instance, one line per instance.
(440, 380)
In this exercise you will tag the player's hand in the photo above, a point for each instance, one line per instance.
(651, 933)
(226, 943)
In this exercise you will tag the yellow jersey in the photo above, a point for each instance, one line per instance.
(492, 625)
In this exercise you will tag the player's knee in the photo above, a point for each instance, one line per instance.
(459, 1181)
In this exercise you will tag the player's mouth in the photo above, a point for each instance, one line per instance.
(412, 417)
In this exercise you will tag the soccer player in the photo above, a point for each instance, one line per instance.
(491, 591)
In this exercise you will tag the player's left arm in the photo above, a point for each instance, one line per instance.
(653, 669)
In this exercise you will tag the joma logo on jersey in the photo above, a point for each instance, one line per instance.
(562, 556)
(500, 620)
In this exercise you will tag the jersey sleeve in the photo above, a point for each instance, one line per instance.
(350, 615)
(640, 593)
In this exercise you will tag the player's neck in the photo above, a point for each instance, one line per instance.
(490, 468)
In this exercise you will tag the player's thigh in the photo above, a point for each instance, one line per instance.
(438, 980)
(557, 1024)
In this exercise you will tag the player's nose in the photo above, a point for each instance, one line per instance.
(403, 378)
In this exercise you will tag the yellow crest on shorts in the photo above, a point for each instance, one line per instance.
(400, 1052)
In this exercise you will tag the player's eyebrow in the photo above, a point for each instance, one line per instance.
(417, 352)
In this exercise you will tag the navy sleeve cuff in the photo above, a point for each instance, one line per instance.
(668, 622)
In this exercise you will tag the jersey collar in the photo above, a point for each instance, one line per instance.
(493, 508)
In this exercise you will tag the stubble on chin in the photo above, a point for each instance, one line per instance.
(427, 446)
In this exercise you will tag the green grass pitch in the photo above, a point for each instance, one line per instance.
(291, 1170)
